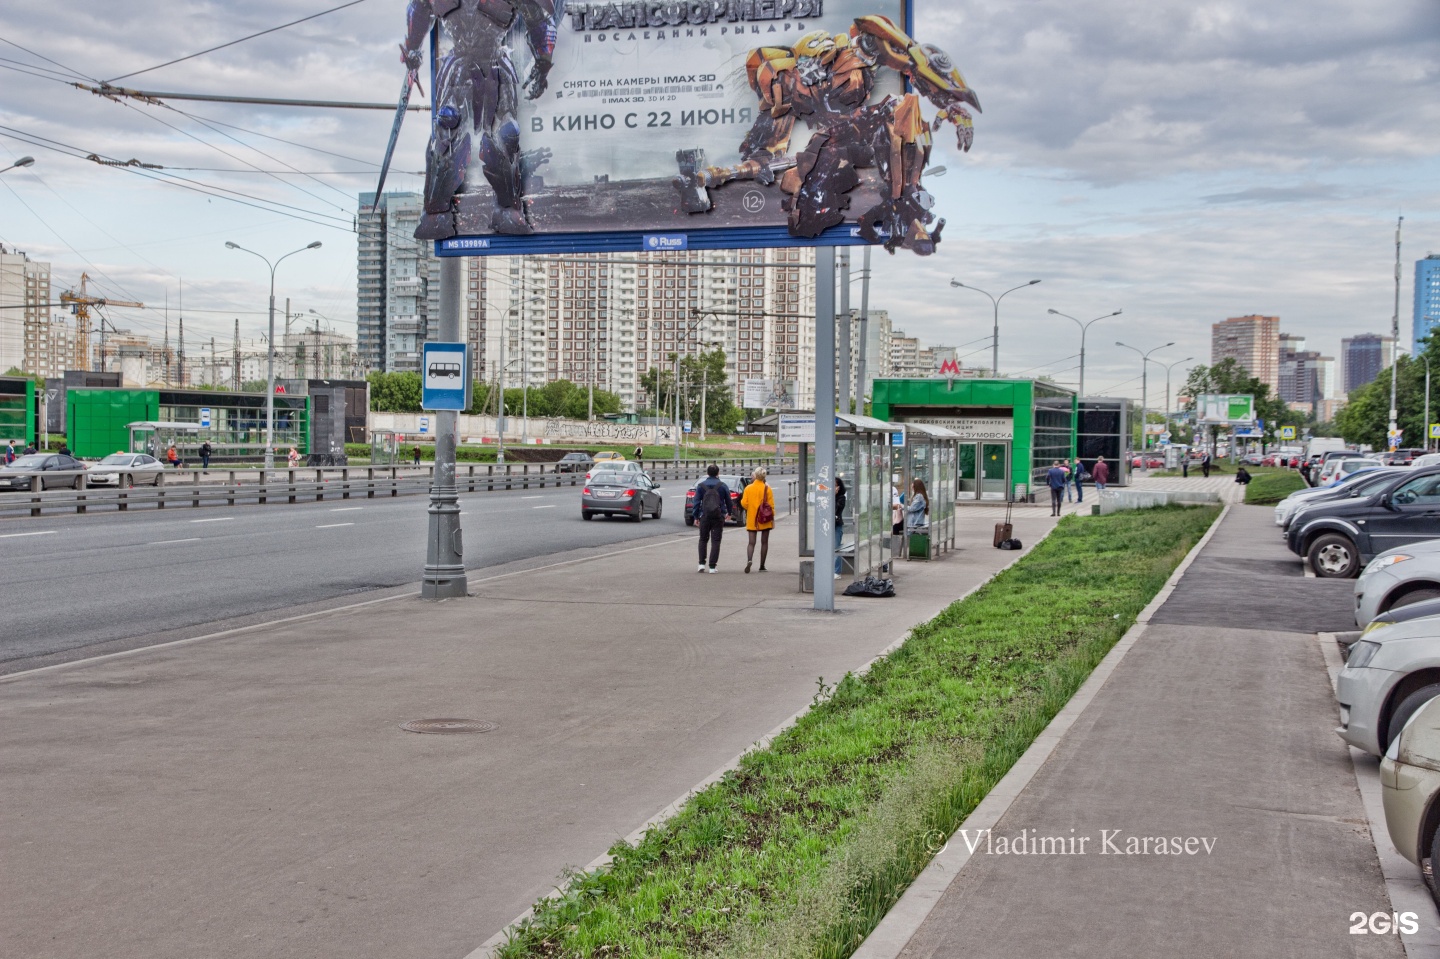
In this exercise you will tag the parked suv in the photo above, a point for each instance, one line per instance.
(1339, 537)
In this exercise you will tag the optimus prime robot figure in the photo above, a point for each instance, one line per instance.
(477, 86)
(827, 80)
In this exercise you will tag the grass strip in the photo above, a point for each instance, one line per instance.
(1272, 486)
(803, 848)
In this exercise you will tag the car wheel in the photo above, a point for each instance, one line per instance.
(1414, 596)
(1333, 556)
(79, 483)
(586, 514)
(689, 520)
(159, 479)
(658, 508)
(639, 516)
(1407, 708)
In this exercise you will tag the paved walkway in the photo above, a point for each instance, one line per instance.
(1217, 727)
(254, 795)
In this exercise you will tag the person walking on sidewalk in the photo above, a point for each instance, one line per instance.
(205, 450)
(1077, 473)
(712, 508)
(9, 452)
(1055, 479)
(839, 522)
(1101, 474)
(758, 502)
(1205, 463)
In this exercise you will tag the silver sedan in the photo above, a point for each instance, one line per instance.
(620, 493)
(127, 469)
(1390, 673)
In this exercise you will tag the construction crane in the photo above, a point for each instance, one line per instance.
(80, 304)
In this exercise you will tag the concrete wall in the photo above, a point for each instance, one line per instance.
(1114, 501)
(544, 430)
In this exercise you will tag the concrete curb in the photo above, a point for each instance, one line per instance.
(486, 950)
(906, 917)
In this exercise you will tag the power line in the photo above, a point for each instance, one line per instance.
(41, 56)
(232, 43)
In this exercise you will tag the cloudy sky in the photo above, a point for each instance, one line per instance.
(1183, 162)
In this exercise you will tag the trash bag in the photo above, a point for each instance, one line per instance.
(1011, 544)
(871, 586)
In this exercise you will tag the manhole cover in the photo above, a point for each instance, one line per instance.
(448, 726)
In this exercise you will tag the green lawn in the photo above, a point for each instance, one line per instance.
(1270, 486)
(802, 849)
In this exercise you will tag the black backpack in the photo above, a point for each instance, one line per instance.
(712, 503)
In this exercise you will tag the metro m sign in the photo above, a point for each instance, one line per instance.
(950, 368)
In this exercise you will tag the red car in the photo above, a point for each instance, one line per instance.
(737, 515)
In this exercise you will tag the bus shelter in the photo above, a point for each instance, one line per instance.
(155, 437)
(863, 463)
(384, 447)
(930, 455)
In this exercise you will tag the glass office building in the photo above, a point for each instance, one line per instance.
(98, 421)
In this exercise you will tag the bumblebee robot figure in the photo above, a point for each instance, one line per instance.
(477, 86)
(827, 80)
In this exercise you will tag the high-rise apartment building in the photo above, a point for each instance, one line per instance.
(1253, 342)
(1363, 357)
(905, 356)
(24, 312)
(1427, 297)
(398, 289)
(605, 322)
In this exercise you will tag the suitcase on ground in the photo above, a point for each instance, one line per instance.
(1005, 530)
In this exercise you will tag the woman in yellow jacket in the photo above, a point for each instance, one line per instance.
(757, 495)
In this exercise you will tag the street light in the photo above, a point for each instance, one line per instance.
(1144, 395)
(270, 353)
(23, 161)
(1168, 368)
(1083, 328)
(995, 337)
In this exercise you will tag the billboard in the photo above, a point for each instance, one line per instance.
(690, 124)
(762, 394)
(1225, 408)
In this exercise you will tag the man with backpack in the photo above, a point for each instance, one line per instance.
(712, 508)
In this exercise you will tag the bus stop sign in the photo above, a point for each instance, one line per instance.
(445, 377)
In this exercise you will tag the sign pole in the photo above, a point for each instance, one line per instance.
(444, 576)
(825, 519)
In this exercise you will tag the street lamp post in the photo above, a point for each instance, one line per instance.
(1168, 368)
(1085, 326)
(1144, 396)
(995, 336)
(23, 161)
(270, 353)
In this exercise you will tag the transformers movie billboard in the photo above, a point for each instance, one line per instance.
(596, 126)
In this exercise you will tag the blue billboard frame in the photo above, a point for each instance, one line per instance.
(633, 241)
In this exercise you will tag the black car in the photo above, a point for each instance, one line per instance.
(67, 469)
(574, 463)
(1340, 536)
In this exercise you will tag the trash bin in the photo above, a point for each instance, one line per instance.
(919, 546)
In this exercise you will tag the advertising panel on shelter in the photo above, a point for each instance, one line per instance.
(595, 126)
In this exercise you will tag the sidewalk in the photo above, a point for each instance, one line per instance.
(253, 795)
(1216, 726)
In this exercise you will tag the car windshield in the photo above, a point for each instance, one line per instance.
(118, 459)
(611, 478)
(32, 462)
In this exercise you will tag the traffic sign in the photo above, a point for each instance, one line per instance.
(445, 376)
(1435, 431)
(897, 439)
(205, 417)
(424, 425)
(687, 425)
(1287, 432)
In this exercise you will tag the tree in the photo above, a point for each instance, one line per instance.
(395, 392)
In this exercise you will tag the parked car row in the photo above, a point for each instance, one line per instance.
(18, 474)
(1381, 524)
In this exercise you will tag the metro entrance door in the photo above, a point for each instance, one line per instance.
(982, 471)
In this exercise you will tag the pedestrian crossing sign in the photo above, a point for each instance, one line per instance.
(1287, 432)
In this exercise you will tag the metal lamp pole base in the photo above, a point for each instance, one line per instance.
(444, 576)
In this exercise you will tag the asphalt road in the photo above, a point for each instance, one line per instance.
(91, 581)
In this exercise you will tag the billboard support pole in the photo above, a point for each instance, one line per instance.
(860, 370)
(844, 331)
(1390, 440)
(444, 576)
(824, 516)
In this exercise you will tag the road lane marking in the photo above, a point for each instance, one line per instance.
(346, 509)
(532, 497)
(48, 532)
(168, 542)
(551, 506)
(334, 525)
(217, 519)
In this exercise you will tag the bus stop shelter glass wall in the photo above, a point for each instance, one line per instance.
(17, 410)
(930, 455)
(237, 422)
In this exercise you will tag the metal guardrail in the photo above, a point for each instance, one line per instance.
(310, 484)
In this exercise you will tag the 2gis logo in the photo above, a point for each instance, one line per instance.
(1384, 923)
